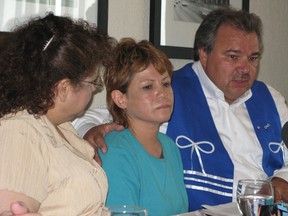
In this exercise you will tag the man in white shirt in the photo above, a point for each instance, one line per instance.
(227, 125)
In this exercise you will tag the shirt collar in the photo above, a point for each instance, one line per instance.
(212, 91)
(76, 144)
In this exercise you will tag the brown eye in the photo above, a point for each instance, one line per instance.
(147, 87)
(234, 57)
(167, 84)
(253, 58)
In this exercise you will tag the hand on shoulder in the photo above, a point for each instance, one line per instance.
(95, 136)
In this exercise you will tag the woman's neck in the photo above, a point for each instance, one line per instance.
(147, 135)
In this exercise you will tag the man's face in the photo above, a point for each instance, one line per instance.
(233, 63)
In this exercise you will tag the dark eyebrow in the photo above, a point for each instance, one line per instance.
(164, 78)
(256, 53)
(238, 51)
(232, 50)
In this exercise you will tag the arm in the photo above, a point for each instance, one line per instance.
(93, 126)
(12, 203)
(91, 118)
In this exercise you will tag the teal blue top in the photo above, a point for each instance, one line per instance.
(137, 178)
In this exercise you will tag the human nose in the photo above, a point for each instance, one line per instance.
(244, 66)
(162, 91)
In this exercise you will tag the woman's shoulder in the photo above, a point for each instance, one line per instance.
(119, 138)
(120, 146)
(21, 119)
(24, 123)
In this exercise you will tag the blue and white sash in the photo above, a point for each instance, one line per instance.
(208, 169)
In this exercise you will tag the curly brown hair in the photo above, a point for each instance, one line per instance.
(29, 73)
(130, 58)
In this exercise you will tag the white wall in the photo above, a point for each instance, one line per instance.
(130, 18)
(14, 12)
(274, 64)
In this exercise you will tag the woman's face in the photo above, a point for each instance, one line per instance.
(79, 98)
(149, 98)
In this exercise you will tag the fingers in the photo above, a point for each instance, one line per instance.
(18, 208)
(280, 190)
(284, 196)
(99, 140)
(105, 129)
(95, 136)
(97, 158)
(277, 196)
(89, 136)
(100, 144)
(112, 126)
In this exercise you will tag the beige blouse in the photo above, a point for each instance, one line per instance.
(35, 160)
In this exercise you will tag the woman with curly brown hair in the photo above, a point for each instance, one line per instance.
(49, 70)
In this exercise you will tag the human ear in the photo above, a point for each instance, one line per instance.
(62, 89)
(203, 56)
(119, 99)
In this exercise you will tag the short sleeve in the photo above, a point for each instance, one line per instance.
(91, 118)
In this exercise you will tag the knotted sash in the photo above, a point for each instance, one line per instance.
(208, 169)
